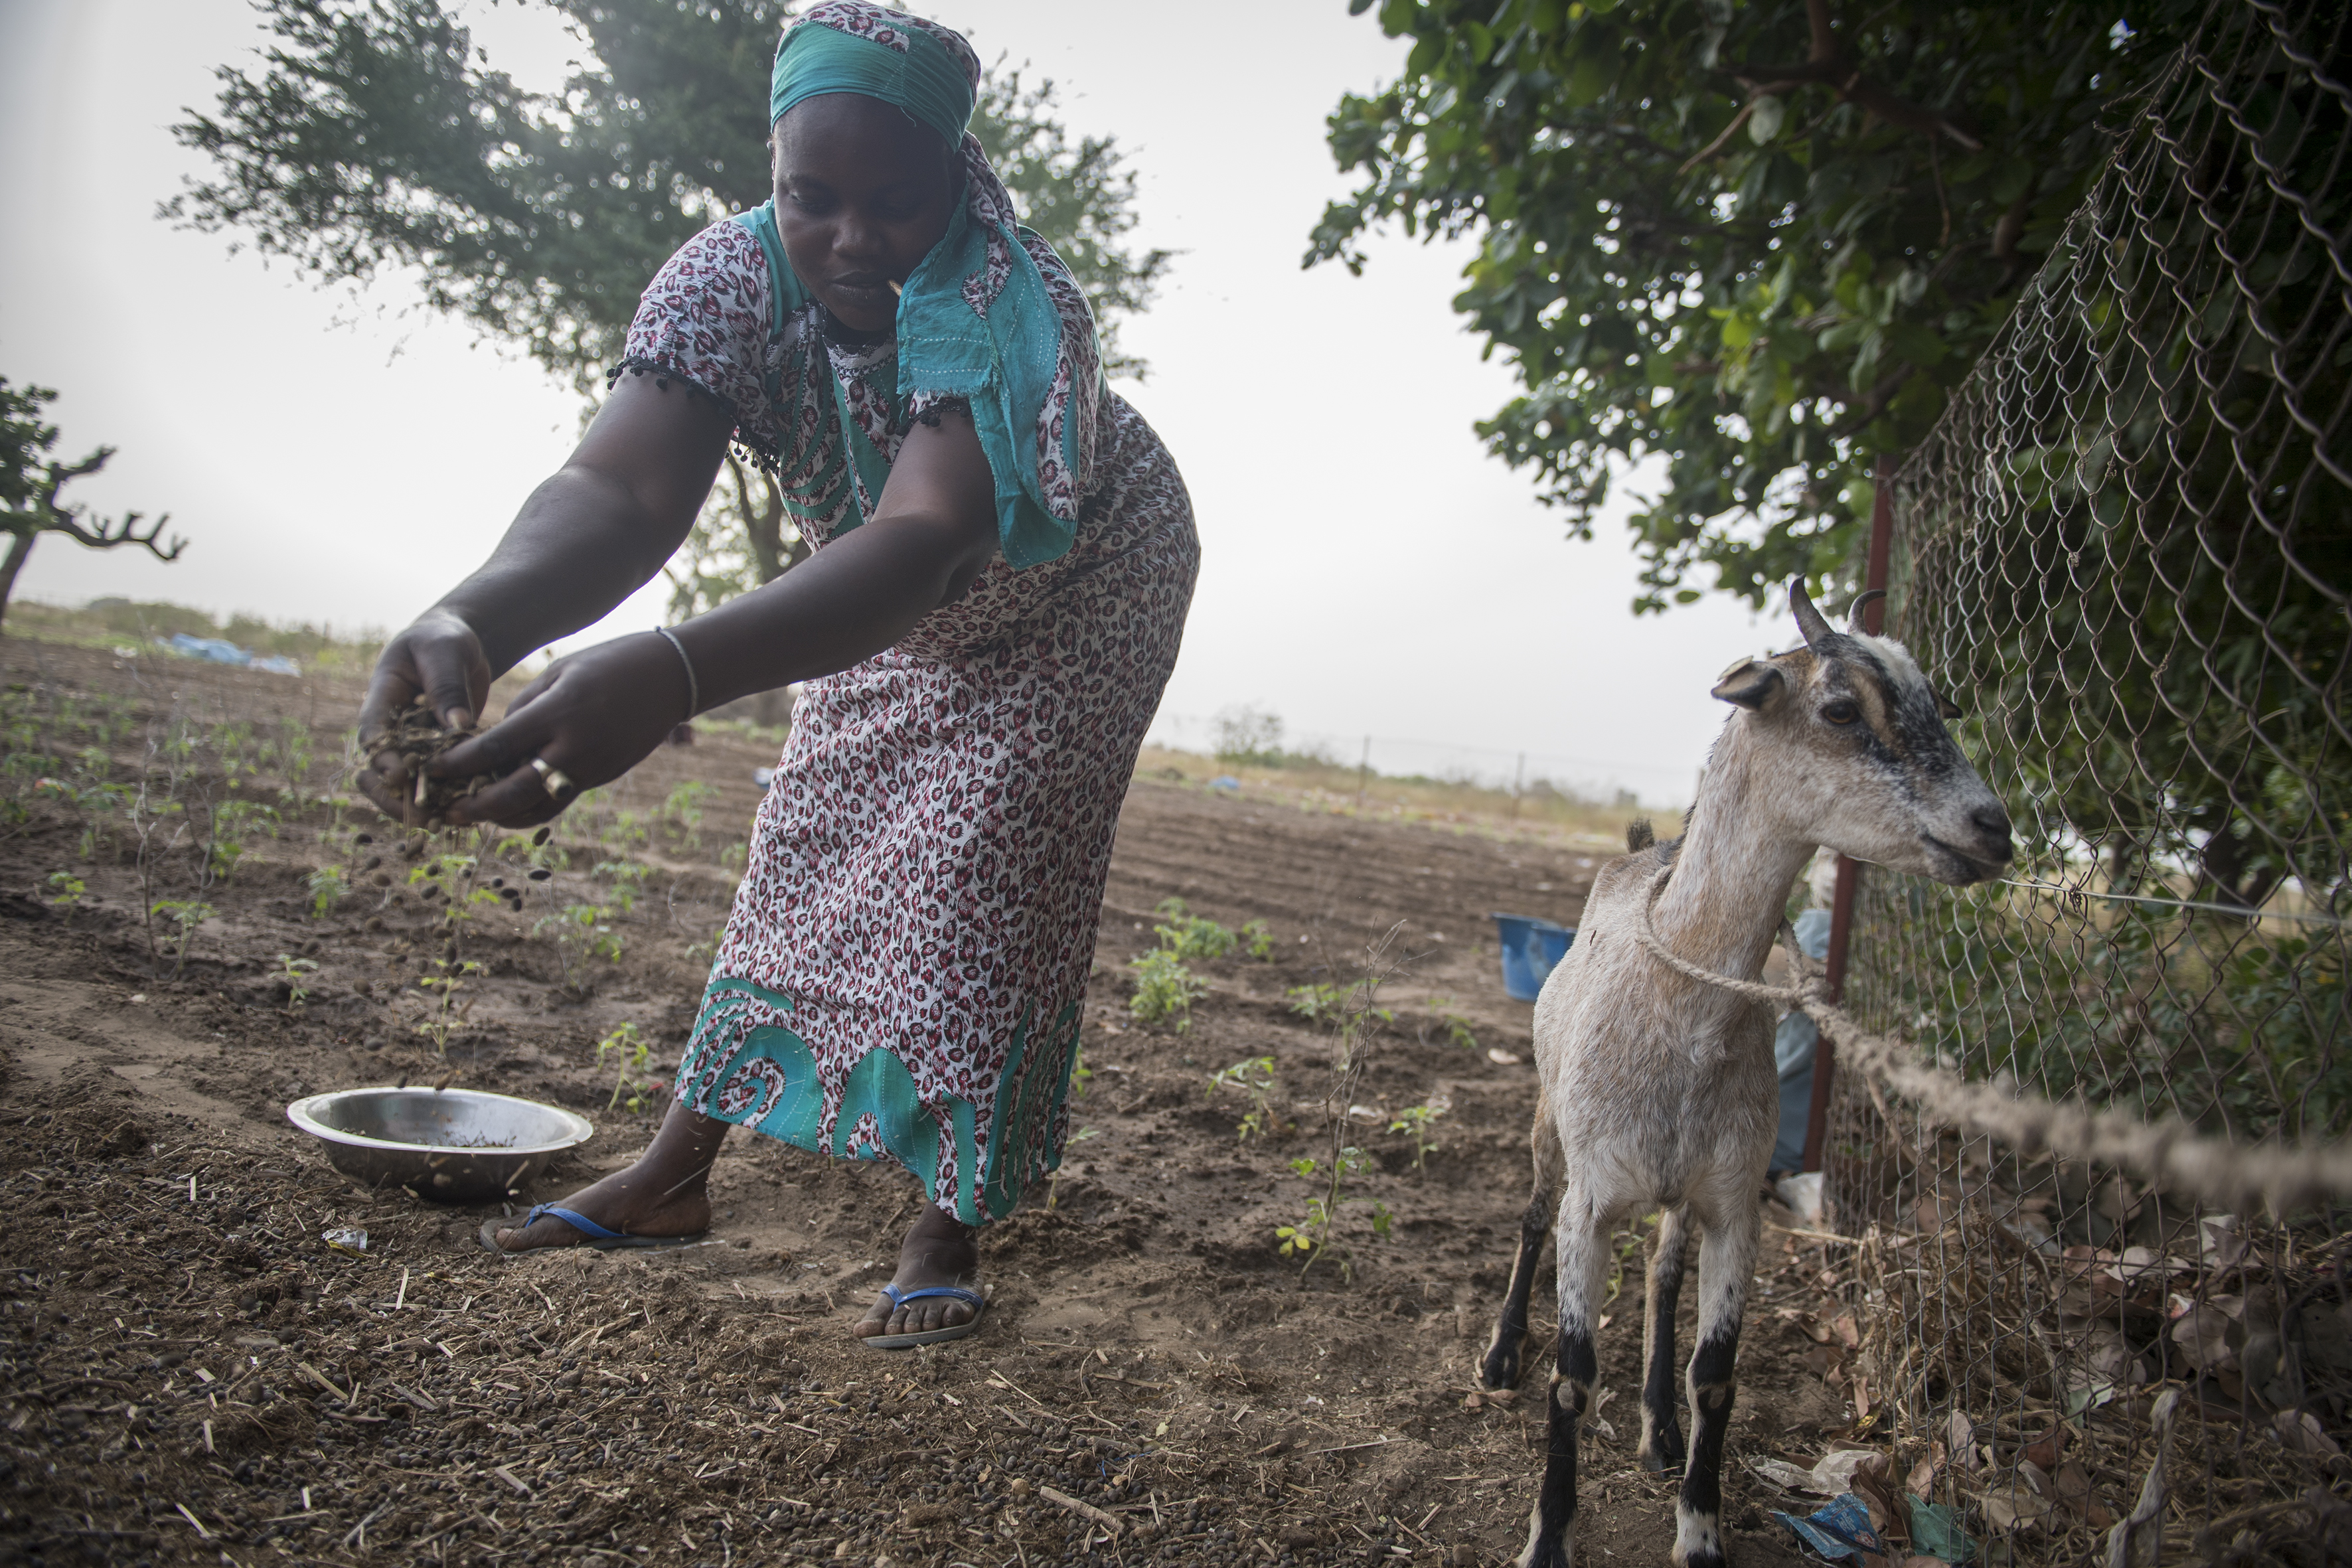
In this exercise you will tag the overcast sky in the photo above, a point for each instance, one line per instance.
(1368, 569)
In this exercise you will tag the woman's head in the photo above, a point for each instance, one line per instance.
(868, 107)
(862, 194)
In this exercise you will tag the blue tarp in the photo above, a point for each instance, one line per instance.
(216, 650)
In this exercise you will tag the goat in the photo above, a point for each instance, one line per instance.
(1658, 1090)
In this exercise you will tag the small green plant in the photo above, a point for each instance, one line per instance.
(626, 831)
(1625, 1253)
(1190, 936)
(1164, 989)
(629, 1053)
(291, 971)
(328, 886)
(684, 809)
(1352, 1017)
(290, 756)
(183, 916)
(1081, 1075)
(1254, 1078)
(1417, 1120)
(94, 802)
(1054, 1187)
(1258, 937)
(706, 952)
(628, 880)
(1312, 1237)
(233, 743)
(535, 854)
(65, 887)
(1325, 1003)
(231, 822)
(446, 1016)
(1449, 1018)
(581, 932)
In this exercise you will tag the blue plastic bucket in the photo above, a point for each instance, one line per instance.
(1532, 949)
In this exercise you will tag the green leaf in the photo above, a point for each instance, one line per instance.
(1588, 79)
(1764, 120)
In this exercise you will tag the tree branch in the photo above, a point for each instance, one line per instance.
(110, 535)
(63, 474)
(1817, 23)
(1826, 66)
(1709, 151)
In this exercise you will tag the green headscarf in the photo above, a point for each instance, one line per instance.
(924, 78)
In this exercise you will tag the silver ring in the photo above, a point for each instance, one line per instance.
(553, 780)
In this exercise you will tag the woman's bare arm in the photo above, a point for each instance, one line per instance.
(591, 534)
(594, 715)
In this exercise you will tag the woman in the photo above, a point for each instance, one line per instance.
(1005, 555)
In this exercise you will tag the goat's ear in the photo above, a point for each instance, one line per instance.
(1749, 684)
(1945, 707)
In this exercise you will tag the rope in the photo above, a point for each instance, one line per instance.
(1783, 996)
(2240, 911)
(2285, 1176)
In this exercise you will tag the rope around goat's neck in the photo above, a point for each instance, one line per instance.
(2284, 1176)
(1784, 997)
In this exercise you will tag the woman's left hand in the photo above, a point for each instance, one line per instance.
(590, 718)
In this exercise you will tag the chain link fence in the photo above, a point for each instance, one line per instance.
(2127, 550)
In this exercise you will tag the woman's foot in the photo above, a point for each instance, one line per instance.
(939, 1250)
(664, 1193)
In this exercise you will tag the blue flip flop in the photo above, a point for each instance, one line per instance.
(978, 1302)
(596, 1235)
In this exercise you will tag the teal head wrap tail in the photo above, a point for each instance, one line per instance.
(976, 322)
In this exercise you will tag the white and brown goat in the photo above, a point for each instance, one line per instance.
(1658, 1090)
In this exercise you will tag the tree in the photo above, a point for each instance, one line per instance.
(30, 481)
(375, 134)
(1761, 243)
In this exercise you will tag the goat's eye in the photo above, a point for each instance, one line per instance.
(1841, 712)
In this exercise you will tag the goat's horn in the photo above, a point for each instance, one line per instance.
(1860, 601)
(1809, 619)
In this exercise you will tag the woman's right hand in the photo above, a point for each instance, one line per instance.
(441, 658)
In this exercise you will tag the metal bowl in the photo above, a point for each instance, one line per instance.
(453, 1145)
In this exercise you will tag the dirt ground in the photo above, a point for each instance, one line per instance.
(191, 1375)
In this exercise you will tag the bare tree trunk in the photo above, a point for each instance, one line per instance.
(20, 546)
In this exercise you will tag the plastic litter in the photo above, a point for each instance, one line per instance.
(1840, 1529)
(1802, 1194)
(352, 1239)
(1935, 1532)
(218, 650)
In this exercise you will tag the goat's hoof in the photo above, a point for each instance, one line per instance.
(1699, 1537)
(1500, 1368)
(1663, 1456)
(1554, 1553)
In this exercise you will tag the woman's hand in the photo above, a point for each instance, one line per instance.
(440, 657)
(590, 718)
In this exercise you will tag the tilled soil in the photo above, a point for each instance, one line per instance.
(192, 1374)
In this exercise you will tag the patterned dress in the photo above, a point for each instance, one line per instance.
(901, 974)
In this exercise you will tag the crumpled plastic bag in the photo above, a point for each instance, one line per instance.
(1840, 1529)
(1935, 1532)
